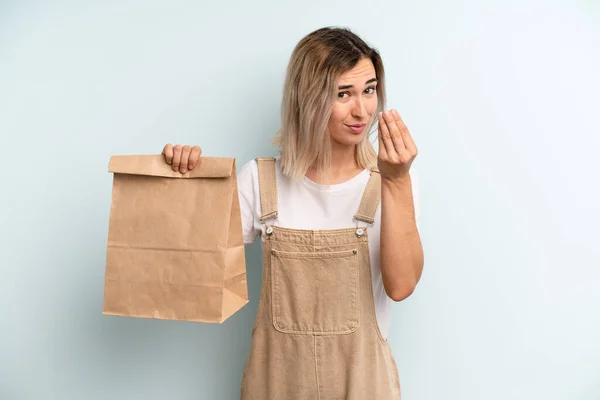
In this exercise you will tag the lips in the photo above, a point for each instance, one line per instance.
(357, 128)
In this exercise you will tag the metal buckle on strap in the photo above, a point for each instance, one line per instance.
(360, 230)
(269, 216)
(364, 218)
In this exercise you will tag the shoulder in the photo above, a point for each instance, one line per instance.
(248, 170)
(251, 167)
(247, 178)
(247, 181)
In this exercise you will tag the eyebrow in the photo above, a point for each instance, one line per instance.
(350, 86)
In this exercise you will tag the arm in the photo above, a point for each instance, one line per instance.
(401, 249)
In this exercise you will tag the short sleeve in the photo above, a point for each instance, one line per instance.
(247, 181)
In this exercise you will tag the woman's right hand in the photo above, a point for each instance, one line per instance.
(181, 158)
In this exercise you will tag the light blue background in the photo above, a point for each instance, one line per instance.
(502, 98)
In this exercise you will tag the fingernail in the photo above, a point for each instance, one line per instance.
(190, 166)
(183, 170)
(387, 113)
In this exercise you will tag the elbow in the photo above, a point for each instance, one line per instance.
(402, 292)
(403, 286)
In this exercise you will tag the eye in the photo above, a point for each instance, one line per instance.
(370, 90)
(341, 95)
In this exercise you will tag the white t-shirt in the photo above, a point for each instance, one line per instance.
(307, 205)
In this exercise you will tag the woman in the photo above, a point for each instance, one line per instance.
(338, 227)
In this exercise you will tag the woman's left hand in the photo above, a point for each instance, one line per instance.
(397, 150)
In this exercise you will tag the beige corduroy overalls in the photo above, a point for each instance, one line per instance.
(316, 335)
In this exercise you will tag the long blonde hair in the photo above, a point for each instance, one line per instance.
(309, 93)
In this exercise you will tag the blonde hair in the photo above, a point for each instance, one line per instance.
(309, 93)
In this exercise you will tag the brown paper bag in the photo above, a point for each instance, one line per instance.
(175, 246)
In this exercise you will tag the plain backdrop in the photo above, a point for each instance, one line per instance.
(501, 97)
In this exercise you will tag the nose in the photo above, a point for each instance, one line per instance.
(358, 108)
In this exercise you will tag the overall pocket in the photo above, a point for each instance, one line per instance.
(315, 292)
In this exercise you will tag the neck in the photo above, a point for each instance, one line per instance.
(343, 166)
(343, 159)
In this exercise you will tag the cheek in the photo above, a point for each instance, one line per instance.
(338, 114)
(372, 106)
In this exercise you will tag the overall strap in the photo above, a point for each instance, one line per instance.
(268, 188)
(370, 200)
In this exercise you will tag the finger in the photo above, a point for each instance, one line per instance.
(176, 158)
(395, 132)
(185, 159)
(406, 136)
(387, 139)
(194, 157)
(168, 152)
(382, 152)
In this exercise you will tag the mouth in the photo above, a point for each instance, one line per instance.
(356, 128)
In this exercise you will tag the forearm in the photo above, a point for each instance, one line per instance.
(401, 248)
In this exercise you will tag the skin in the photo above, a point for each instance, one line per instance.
(401, 249)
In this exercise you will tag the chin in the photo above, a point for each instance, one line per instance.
(349, 140)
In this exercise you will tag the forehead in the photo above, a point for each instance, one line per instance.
(362, 72)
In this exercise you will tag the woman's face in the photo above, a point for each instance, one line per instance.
(355, 104)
